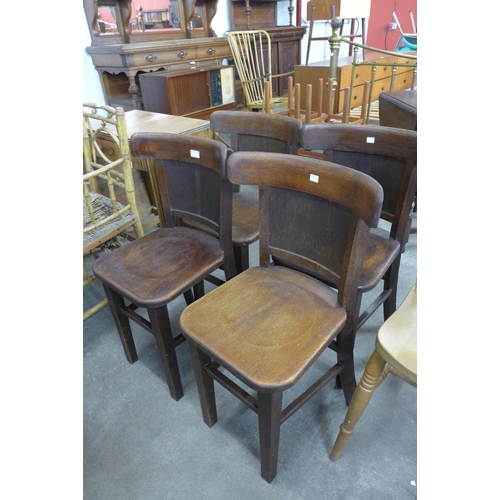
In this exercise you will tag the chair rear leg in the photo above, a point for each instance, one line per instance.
(162, 331)
(269, 409)
(373, 375)
(116, 303)
(391, 279)
(241, 258)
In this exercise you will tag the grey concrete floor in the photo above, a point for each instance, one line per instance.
(139, 444)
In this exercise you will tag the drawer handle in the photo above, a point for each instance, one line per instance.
(210, 51)
(182, 54)
(150, 58)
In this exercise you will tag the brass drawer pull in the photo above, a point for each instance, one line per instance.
(182, 54)
(210, 51)
(150, 58)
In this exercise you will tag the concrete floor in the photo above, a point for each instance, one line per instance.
(139, 444)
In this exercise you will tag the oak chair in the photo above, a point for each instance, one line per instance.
(395, 352)
(244, 131)
(389, 155)
(273, 321)
(251, 50)
(110, 214)
(152, 271)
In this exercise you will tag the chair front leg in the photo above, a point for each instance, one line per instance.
(269, 410)
(116, 302)
(204, 383)
(391, 283)
(162, 331)
(372, 377)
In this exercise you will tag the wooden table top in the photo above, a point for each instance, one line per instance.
(404, 98)
(146, 121)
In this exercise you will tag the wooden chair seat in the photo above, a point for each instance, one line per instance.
(381, 252)
(161, 265)
(152, 271)
(395, 352)
(276, 306)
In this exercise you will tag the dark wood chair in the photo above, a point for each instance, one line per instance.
(395, 352)
(247, 131)
(272, 321)
(152, 271)
(389, 156)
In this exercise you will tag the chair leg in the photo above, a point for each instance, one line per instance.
(391, 282)
(241, 258)
(345, 342)
(116, 302)
(162, 331)
(205, 384)
(269, 409)
(372, 377)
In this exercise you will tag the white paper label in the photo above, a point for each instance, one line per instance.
(195, 154)
(370, 140)
(313, 178)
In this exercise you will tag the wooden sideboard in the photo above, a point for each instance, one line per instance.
(120, 65)
(121, 57)
(196, 93)
(310, 74)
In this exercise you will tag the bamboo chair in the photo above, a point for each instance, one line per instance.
(395, 352)
(252, 56)
(274, 321)
(110, 214)
(152, 271)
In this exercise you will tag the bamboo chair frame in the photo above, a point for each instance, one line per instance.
(252, 56)
(110, 211)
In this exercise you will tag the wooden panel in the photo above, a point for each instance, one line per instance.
(184, 101)
(345, 9)
(263, 14)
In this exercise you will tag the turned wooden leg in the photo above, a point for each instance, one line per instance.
(162, 331)
(269, 409)
(205, 384)
(372, 377)
(116, 302)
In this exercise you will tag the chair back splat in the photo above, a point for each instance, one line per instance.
(154, 270)
(244, 131)
(274, 321)
(389, 155)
